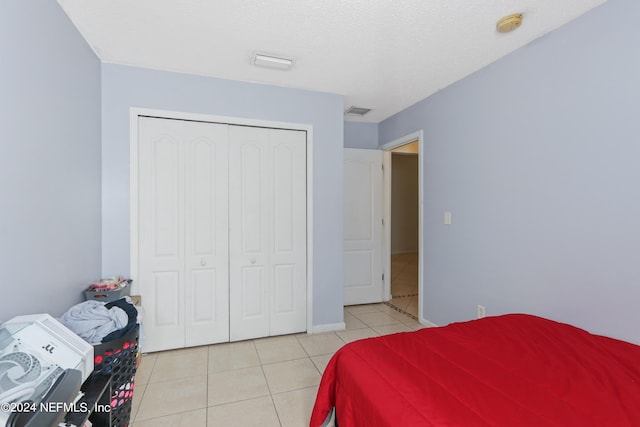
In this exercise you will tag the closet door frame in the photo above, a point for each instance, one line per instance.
(135, 113)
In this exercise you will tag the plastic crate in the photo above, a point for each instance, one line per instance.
(106, 295)
(118, 359)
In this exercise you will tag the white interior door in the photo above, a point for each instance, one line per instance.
(183, 258)
(267, 206)
(363, 229)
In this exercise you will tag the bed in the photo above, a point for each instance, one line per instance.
(513, 370)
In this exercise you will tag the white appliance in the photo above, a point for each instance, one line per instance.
(34, 351)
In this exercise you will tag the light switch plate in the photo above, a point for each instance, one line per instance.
(447, 218)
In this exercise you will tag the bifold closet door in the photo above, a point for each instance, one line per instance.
(267, 212)
(183, 232)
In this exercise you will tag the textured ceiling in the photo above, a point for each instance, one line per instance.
(380, 54)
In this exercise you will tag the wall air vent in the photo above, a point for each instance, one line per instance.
(357, 111)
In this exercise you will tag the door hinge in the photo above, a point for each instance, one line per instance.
(383, 277)
(382, 221)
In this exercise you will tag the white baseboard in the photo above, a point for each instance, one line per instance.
(329, 327)
(427, 323)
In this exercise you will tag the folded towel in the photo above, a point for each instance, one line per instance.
(92, 320)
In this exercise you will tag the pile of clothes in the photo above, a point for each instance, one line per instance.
(97, 322)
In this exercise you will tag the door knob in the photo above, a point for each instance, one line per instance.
(203, 262)
(252, 260)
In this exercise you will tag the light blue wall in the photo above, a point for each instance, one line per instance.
(124, 87)
(49, 160)
(538, 158)
(361, 135)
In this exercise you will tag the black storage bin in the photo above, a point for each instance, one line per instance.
(118, 359)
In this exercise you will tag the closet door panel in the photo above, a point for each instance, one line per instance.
(206, 236)
(250, 215)
(252, 293)
(252, 205)
(161, 241)
(289, 231)
(284, 289)
(203, 288)
(166, 290)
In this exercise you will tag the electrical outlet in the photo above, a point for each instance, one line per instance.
(482, 312)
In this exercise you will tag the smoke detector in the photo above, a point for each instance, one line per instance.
(509, 23)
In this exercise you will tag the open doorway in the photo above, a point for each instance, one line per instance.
(404, 228)
(403, 242)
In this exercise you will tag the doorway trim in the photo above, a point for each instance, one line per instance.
(386, 203)
(135, 112)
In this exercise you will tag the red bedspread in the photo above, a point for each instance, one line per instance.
(505, 371)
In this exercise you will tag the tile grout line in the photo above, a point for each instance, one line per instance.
(264, 375)
(132, 419)
(405, 266)
(206, 410)
(387, 303)
(165, 416)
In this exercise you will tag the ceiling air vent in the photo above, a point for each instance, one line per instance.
(357, 111)
(270, 61)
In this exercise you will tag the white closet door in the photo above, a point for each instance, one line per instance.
(183, 270)
(161, 242)
(289, 245)
(206, 234)
(250, 210)
(267, 207)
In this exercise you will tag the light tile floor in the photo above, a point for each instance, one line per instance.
(404, 282)
(263, 382)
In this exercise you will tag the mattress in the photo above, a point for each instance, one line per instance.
(512, 370)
